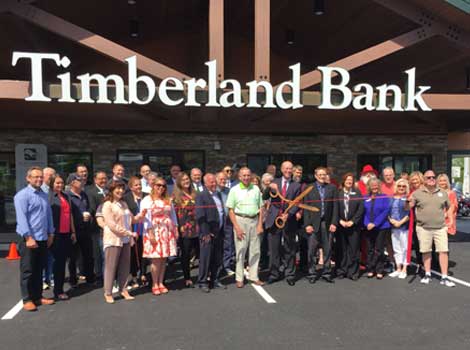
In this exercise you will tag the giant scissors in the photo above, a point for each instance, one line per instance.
(280, 221)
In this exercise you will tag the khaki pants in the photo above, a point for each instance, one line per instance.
(251, 241)
(117, 261)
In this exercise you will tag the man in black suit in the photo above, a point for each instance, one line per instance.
(229, 244)
(196, 179)
(96, 194)
(289, 189)
(210, 217)
(133, 198)
(320, 225)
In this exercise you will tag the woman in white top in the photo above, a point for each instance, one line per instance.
(117, 240)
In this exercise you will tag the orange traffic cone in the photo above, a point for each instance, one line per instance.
(13, 253)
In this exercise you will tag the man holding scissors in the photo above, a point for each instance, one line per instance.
(289, 190)
(320, 225)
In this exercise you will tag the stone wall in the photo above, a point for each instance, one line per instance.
(341, 150)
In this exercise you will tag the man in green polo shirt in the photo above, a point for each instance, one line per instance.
(430, 204)
(246, 211)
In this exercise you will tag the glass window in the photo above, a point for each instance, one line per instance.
(258, 162)
(160, 160)
(65, 163)
(399, 163)
(7, 191)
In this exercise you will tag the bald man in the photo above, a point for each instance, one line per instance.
(289, 189)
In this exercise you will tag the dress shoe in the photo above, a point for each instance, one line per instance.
(341, 276)
(239, 284)
(109, 299)
(272, 280)
(328, 279)
(62, 297)
(218, 285)
(44, 301)
(29, 306)
(290, 281)
(353, 278)
(257, 283)
(204, 289)
(125, 294)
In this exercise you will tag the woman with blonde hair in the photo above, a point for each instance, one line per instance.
(399, 217)
(376, 212)
(160, 233)
(184, 200)
(451, 213)
(416, 180)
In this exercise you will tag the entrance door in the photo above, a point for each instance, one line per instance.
(459, 170)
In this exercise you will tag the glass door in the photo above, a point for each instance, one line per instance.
(460, 171)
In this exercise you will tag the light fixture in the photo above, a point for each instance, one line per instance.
(134, 28)
(319, 7)
(290, 37)
(131, 2)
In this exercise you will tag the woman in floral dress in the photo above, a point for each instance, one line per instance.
(161, 233)
(184, 201)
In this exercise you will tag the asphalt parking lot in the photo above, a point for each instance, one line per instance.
(367, 314)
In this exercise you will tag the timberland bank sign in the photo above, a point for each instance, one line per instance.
(227, 93)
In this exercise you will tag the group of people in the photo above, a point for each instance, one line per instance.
(230, 221)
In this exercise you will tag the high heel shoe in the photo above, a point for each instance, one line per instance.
(109, 299)
(125, 294)
(156, 291)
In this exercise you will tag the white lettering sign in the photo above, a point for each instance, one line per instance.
(227, 93)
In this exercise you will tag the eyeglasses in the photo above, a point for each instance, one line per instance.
(430, 177)
(160, 185)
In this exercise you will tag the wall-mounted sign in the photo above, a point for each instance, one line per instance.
(27, 156)
(227, 93)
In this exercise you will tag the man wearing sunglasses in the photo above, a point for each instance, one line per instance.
(231, 181)
(430, 203)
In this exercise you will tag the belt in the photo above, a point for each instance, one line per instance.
(247, 216)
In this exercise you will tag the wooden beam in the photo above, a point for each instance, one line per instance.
(96, 42)
(216, 35)
(370, 54)
(448, 102)
(262, 39)
(14, 89)
(422, 17)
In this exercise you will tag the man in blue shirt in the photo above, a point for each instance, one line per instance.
(34, 225)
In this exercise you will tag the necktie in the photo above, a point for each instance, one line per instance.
(346, 205)
(284, 189)
(321, 190)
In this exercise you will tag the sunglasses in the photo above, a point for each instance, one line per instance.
(228, 170)
(160, 185)
(401, 186)
(430, 177)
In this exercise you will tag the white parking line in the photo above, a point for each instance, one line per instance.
(265, 295)
(453, 279)
(14, 311)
